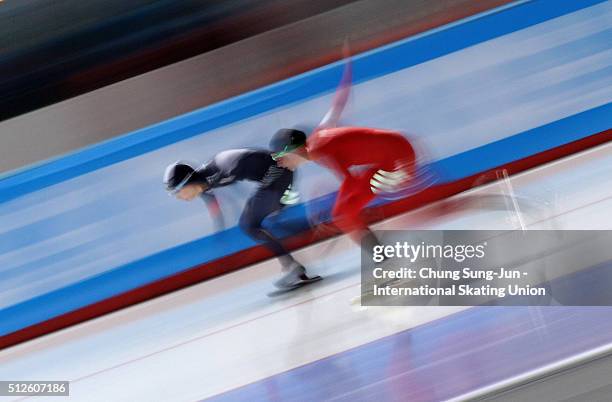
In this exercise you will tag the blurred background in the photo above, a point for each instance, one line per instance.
(52, 51)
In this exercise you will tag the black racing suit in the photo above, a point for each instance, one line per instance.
(233, 165)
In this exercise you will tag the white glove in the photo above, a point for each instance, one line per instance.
(290, 197)
(388, 182)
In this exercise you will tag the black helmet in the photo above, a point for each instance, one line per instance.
(177, 175)
(286, 140)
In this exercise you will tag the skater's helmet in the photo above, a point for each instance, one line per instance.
(177, 175)
(286, 140)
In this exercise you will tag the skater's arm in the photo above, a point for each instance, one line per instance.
(290, 196)
(343, 91)
(280, 180)
(277, 178)
(217, 179)
(214, 209)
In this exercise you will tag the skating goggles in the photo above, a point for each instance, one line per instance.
(288, 149)
(174, 190)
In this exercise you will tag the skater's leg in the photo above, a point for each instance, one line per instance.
(353, 196)
(260, 205)
(368, 241)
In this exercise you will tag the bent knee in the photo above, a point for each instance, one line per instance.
(249, 226)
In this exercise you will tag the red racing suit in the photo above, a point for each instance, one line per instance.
(355, 154)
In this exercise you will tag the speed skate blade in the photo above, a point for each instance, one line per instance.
(298, 285)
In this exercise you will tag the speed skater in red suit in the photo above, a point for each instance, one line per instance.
(368, 161)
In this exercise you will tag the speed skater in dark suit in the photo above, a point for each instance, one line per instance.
(187, 182)
(368, 162)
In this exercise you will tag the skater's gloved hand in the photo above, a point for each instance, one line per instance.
(402, 182)
(290, 197)
(389, 181)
